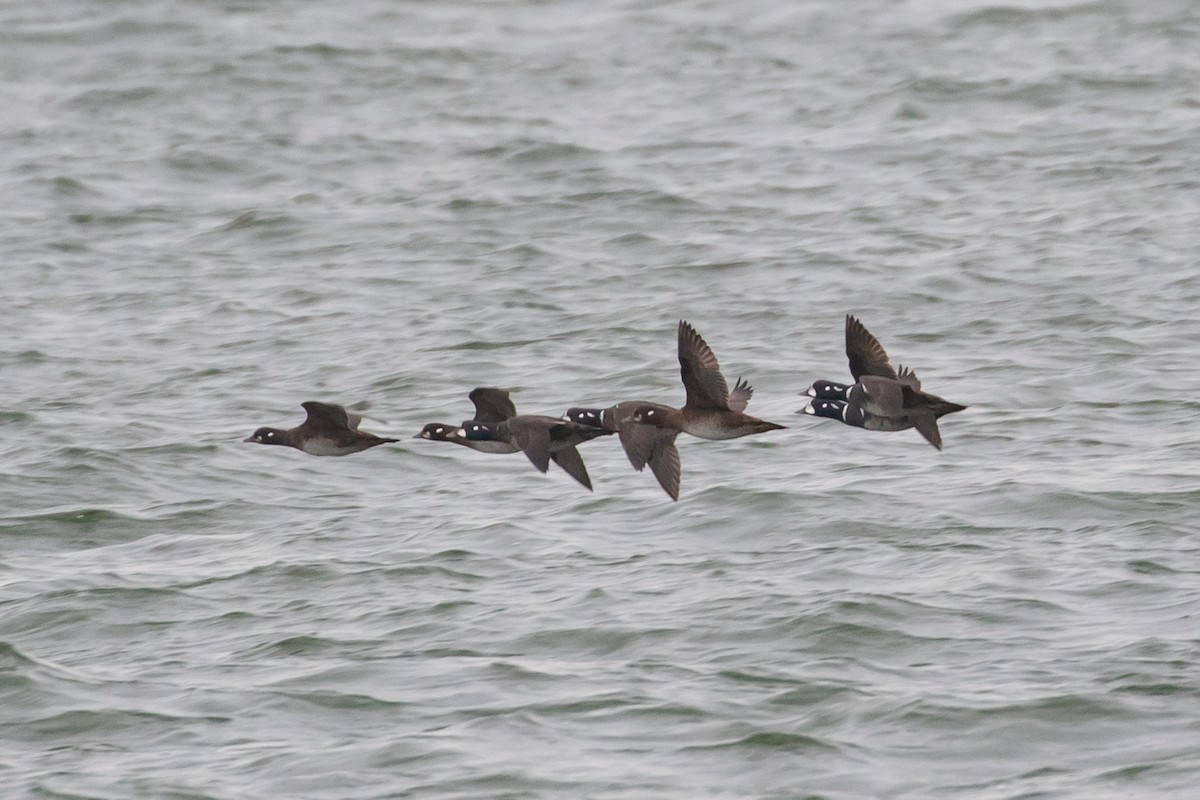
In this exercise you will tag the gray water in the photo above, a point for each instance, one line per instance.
(215, 211)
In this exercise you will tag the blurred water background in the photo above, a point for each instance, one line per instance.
(214, 211)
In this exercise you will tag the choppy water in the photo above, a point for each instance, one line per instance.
(214, 211)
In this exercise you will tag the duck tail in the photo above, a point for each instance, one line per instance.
(944, 407)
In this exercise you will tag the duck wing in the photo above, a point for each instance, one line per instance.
(572, 463)
(664, 463)
(926, 424)
(532, 435)
(702, 379)
(908, 378)
(866, 354)
(327, 416)
(492, 404)
(638, 442)
(739, 398)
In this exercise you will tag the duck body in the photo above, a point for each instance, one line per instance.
(492, 405)
(889, 398)
(856, 416)
(710, 410)
(707, 423)
(883, 396)
(542, 438)
(328, 430)
(644, 445)
(443, 432)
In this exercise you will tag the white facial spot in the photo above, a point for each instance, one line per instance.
(272, 433)
(650, 413)
(591, 414)
(439, 430)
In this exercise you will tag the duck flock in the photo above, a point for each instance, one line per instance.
(880, 398)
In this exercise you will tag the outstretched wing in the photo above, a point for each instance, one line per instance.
(908, 377)
(492, 404)
(638, 442)
(569, 459)
(702, 378)
(926, 425)
(739, 398)
(533, 437)
(866, 354)
(326, 415)
(664, 463)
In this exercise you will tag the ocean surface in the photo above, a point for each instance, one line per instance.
(211, 212)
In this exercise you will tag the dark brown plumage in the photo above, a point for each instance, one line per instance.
(328, 430)
(644, 445)
(497, 428)
(542, 439)
(711, 410)
(890, 398)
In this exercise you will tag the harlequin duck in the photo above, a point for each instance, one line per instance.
(880, 391)
(327, 431)
(644, 444)
(542, 439)
(491, 405)
(711, 410)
